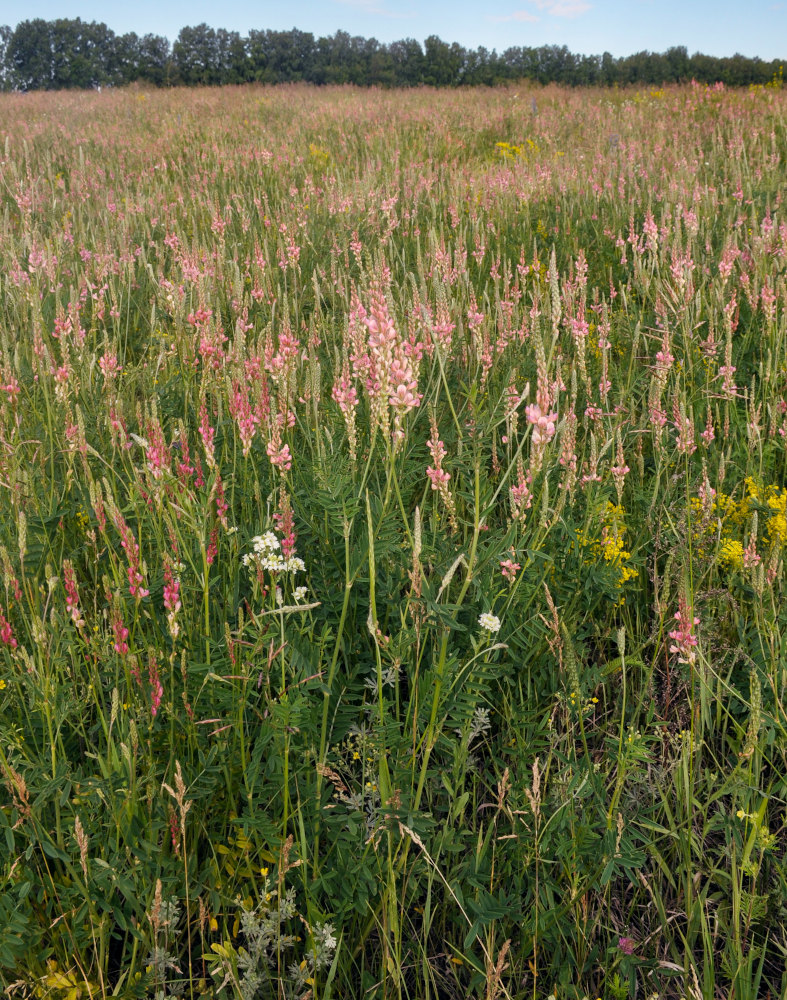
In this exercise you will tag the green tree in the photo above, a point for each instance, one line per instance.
(281, 56)
(29, 55)
(5, 70)
(407, 58)
(155, 61)
(443, 63)
(677, 63)
(81, 53)
(196, 55)
(232, 57)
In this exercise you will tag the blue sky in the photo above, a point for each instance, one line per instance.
(716, 27)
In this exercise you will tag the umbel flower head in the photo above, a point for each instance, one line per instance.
(488, 622)
(266, 554)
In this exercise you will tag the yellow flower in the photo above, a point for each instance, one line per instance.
(731, 554)
(777, 529)
(610, 547)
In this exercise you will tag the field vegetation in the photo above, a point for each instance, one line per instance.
(392, 552)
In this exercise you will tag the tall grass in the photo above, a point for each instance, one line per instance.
(392, 560)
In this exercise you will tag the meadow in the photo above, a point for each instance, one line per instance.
(392, 544)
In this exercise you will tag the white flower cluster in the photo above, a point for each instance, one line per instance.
(267, 556)
(489, 622)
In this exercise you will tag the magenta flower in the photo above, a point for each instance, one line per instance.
(7, 633)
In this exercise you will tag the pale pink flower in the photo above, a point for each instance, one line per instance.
(279, 456)
(684, 641)
(543, 424)
(520, 496)
(120, 633)
(708, 435)
(72, 593)
(438, 477)
(509, 569)
(171, 598)
(750, 556)
(207, 433)
(109, 365)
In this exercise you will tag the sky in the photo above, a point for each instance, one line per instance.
(622, 27)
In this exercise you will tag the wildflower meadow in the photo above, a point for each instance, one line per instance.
(392, 555)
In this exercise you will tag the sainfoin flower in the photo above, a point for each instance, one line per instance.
(171, 598)
(390, 372)
(684, 641)
(135, 566)
(489, 622)
(120, 633)
(6, 632)
(543, 424)
(72, 593)
(509, 569)
(437, 475)
(279, 456)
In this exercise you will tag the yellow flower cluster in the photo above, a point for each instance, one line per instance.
(592, 342)
(721, 508)
(609, 548)
(508, 150)
(719, 525)
(774, 500)
(731, 554)
(511, 152)
(776, 82)
(319, 157)
(770, 502)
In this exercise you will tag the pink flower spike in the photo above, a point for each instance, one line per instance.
(7, 633)
(509, 569)
(684, 641)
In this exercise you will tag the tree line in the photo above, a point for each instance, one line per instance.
(71, 53)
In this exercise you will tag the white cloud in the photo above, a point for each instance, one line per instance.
(518, 15)
(563, 8)
(552, 8)
(372, 7)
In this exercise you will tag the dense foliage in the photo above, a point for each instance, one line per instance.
(392, 560)
(70, 53)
